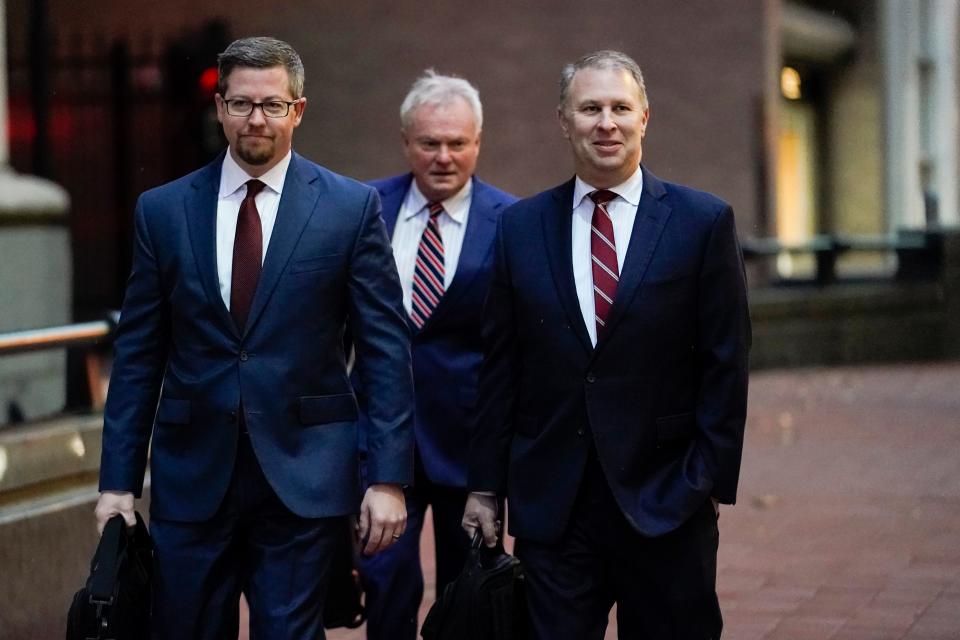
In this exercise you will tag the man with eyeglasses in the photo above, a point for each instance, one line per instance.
(229, 351)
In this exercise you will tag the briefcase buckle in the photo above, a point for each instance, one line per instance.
(103, 620)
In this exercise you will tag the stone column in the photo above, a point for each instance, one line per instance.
(4, 146)
(921, 130)
(35, 278)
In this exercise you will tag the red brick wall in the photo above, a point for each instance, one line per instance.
(702, 60)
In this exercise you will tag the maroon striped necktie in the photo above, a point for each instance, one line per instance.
(247, 256)
(428, 276)
(603, 254)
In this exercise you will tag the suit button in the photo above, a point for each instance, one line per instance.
(591, 378)
(243, 356)
(233, 416)
(580, 432)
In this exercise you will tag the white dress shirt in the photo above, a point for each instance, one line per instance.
(412, 220)
(232, 192)
(623, 212)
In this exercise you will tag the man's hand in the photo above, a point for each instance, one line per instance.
(383, 517)
(112, 503)
(481, 512)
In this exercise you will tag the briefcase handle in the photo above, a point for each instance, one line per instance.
(481, 554)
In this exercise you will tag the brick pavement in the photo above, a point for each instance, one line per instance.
(848, 524)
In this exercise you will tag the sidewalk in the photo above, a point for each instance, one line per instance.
(848, 525)
(848, 521)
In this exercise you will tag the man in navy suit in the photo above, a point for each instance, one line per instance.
(230, 352)
(442, 221)
(614, 385)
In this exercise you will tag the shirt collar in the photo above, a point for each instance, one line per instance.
(630, 189)
(232, 176)
(454, 205)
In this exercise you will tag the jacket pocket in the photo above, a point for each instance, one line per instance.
(680, 426)
(316, 264)
(341, 407)
(527, 425)
(173, 411)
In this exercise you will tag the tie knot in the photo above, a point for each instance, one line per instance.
(254, 187)
(435, 209)
(602, 196)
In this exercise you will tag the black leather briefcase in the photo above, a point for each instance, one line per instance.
(344, 606)
(115, 602)
(485, 602)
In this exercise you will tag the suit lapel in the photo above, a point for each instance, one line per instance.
(296, 206)
(201, 210)
(391, 199)
(392, 195)
(652, 216)
(558, 234)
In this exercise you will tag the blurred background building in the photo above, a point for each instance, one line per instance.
(830, 125)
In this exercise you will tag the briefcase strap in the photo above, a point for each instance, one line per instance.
(103, 575)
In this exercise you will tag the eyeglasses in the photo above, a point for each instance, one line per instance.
(242, 107)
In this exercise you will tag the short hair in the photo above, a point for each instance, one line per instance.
(260, 53)
(436, 89)
(605, 59)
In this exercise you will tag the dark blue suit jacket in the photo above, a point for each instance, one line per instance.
(663, 393)
(447, 351)
(329, 259)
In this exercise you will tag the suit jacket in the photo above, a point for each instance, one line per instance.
(663, 395)
(329, 259)
(447, 351)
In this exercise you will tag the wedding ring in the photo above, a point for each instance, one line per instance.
(395, 536)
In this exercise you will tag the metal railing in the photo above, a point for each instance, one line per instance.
(70, 335)
(87, 335)
(919, 253)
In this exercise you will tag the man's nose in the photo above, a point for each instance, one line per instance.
(443, 154)
(606, 120)
(256, 116)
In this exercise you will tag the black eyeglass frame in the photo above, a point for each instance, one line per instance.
(254, 105)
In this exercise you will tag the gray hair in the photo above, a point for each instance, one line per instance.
(606, 59)
(261, 53)
(435, 89)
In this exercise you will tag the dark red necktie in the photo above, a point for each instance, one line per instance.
(603, 253)
(428, 273)
(247, 256)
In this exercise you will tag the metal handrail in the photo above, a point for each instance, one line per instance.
(919, 252)
(69, 335)
(96, 361)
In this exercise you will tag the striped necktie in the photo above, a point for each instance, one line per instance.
(603, 254)
(428, 275)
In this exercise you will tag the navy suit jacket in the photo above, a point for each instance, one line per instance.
(182, 370)
(663, 394)
(448, 350)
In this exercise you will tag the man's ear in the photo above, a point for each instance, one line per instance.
(644, 121)
(298, 110)
(563, 122)
(221, 107)
(405, 141)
